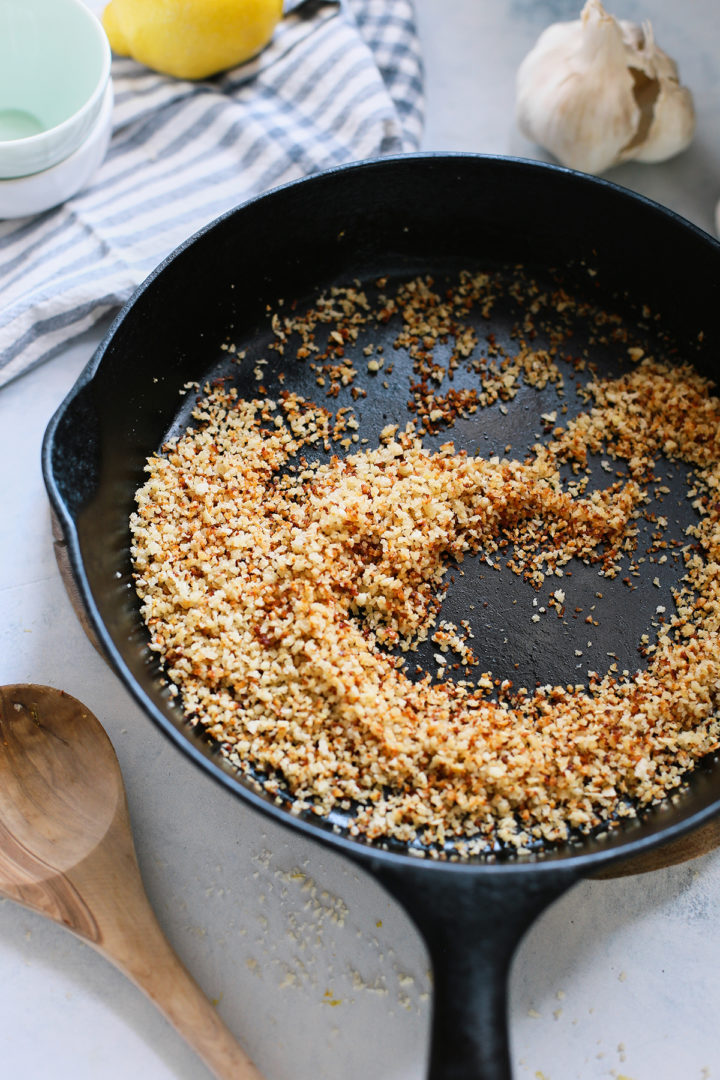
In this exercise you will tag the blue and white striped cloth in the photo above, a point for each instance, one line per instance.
(339, 82)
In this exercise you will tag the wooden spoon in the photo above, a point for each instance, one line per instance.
(66, 851)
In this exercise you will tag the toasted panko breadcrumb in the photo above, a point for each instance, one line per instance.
(273, 589)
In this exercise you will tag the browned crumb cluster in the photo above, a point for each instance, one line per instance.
(273, 588)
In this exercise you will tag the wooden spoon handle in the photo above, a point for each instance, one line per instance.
(126, 931)
(145, 956)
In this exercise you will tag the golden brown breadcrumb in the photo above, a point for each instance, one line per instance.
(274, 590)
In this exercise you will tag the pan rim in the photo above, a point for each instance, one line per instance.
(621, 845)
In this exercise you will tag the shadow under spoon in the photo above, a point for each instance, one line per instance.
(66, 852)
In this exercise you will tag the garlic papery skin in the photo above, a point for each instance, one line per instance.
(598, 91)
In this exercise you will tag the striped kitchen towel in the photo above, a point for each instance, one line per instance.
(340, 82)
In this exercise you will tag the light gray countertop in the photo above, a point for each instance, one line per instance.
(312, 966)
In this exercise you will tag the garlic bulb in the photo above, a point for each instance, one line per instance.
(598, 91)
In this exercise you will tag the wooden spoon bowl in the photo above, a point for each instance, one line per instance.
(66, 851)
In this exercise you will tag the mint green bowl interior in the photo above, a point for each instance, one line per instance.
(54, 66)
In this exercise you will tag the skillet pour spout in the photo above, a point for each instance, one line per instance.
(429, 214)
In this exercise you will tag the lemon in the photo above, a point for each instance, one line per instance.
(190, 39)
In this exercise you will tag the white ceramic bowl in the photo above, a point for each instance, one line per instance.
(32, 194)
(54, 70)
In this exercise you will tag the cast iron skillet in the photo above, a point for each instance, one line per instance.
(424, 213)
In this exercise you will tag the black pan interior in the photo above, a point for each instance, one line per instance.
(395, 219)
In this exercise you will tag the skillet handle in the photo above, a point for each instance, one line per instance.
(472, 923)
